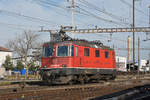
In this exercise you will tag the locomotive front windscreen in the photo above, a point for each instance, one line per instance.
(65, 51)
(48, 51)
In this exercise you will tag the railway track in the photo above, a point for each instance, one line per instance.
(135, 93)
(70, 92)
(39, 85)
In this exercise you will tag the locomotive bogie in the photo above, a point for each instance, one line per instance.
(66, 75)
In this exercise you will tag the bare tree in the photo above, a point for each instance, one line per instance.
(23, 45)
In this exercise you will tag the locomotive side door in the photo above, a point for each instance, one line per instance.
(77, 61)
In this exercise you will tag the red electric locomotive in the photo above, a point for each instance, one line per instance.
(68, 61)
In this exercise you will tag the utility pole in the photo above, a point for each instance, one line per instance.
(149, 22)
(147, 33)
(149, 56)
(138, 55)
(149, 15)
(133, 25)
(73, 6)
(129, 51)
(73, 23)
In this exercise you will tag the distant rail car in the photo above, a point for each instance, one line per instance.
(69, 61)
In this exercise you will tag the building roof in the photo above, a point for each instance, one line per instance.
(4, 49)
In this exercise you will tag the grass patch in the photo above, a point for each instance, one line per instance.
(5, 83)
(22, 77)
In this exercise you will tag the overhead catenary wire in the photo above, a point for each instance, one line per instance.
(84, 12)
(28, 17)
(103, 19)
(56, 11)
(50, 4)
(116, 39)
(88, 13)
(98, 9)
(123, 20)
(19, 26)
(90, 5)
(136, 9)
(11, 26)
(128, 4)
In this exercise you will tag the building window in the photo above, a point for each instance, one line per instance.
(97, 54)
(106, 54)
(86, 52)
(76, 51)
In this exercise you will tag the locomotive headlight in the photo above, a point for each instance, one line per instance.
(64, 65)
(48, 73)
(45, 66)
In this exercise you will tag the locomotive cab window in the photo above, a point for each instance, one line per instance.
(106, 54)
(63, 51)
(76, 51)
(86, 52)
(71, 50)
(48, 51)
(97, 53)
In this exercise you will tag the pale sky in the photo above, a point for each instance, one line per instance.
(19, 15)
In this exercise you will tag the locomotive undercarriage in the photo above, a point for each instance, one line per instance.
(75, 75)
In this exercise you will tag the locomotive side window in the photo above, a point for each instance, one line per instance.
(97, 54)
(86, 52)
(106, 54)
(76, 51)
(48, 51)
(62, 51)
(72, 50)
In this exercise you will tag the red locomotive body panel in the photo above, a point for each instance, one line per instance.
(79, 59)
(68, 61)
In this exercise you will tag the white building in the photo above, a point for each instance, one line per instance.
(121, 63)
(3, 53)
(143, 65)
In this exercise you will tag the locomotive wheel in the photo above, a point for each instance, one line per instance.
(113, 77)
(70, 82)
(83, 79)
(49, 82)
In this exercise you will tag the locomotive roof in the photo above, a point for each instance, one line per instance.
(63, 38)
(92, 44)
